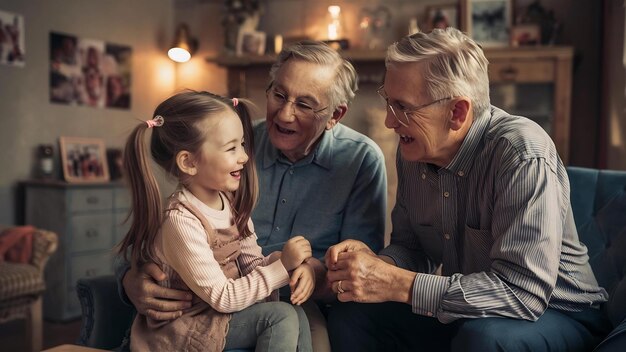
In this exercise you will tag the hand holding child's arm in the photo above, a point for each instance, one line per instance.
(302, 283)
(295, 251)
(151, 299)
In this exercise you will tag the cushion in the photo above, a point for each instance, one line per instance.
(598, 200)
(616, 341)
(16, 244)
(19, 280)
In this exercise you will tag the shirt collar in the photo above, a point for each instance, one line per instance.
(321, 155)
(463, 161)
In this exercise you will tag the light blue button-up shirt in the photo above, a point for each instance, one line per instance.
(337, 192)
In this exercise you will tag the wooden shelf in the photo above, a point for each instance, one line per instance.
(235, 61)
(363, 56)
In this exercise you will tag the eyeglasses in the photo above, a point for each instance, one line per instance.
(300, 108)
(403, 118)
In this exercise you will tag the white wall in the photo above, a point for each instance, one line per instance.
(28, 119)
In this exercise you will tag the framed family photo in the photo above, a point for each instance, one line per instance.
(488, 22)
(442, 16)
(525, 35)
(250, 43)
(83, 160)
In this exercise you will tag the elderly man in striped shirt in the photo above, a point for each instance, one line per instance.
(484, 252)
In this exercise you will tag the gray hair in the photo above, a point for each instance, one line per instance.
(455, 65)
(345, 84)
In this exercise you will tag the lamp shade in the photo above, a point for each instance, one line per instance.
(183, 46)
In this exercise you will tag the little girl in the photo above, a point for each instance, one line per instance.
(205, 241)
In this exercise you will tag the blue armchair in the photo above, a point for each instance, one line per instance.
(599, 203)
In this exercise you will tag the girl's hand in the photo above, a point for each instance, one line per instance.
(302, 283)
(274, 256)
(295, 251)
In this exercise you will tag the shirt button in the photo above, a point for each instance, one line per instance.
(423, 176)
(277, 228)
(283, 200)
(290, 172)
(446, 236)
(446, 194)
(461, 173)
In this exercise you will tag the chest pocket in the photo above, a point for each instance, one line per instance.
(476, 250)
(319, 227)
(430, 241)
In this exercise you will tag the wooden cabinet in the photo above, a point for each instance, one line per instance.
(88, 220)
(535, 82)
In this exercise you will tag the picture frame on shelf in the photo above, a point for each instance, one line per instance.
(442, 16)
(251, 43)
(526, 35)
(488, 22)
(83, 160)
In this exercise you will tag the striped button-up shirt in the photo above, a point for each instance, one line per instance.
(498, 219)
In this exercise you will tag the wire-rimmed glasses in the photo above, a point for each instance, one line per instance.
(300, 108)
(404, 118)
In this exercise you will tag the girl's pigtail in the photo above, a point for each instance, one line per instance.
(246, 196)
(146, 208)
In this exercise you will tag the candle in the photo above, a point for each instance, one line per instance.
(332, 31)
(278, 43)
(334, 25)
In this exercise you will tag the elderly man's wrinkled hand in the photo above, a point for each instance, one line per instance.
(151, 299)
(344, 246)
(361, 276)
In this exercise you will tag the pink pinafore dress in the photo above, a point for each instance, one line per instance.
(200, 328)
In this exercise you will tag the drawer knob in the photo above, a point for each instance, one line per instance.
(91, 233)
(92, 200)
(508, 73)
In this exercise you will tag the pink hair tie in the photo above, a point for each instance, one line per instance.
(156, 121)
(235, 101)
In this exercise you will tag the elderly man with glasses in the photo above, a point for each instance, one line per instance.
(317, 178)
(484, 252)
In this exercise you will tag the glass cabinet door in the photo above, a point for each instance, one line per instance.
(535, 82)
(532, 100)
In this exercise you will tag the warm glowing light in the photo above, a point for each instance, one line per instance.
(332, 31)
(165, 76)
(334, 11)
(334, 25)
(179, 54)
(278, 43)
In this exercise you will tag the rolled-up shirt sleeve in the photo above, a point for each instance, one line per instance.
(524, 258)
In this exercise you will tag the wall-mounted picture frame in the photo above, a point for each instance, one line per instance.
(84, 160)
(488, 22)
(526, 35)
(442, 16)
(250, 43)
(89, 72)
(12, 39)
